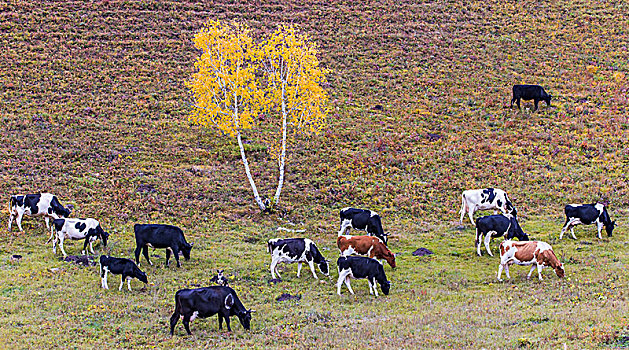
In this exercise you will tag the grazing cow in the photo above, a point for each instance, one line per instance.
(587, 214)
(361, 267)
(219, 278)
(365, 245)
(160, 236)
(529, 92)
(362, 219)
(297, 250)
(206, 302)
(485, 199)
(75, 229)
(120, 266)
(493, 226)
(44, 204)
(535, 253)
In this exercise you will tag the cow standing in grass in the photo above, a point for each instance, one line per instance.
(120, 266)
(87, 229)
(365, 245)
(485, 199)
(43, 204)
(160, 236)
(296, 250)
(494, 226)
(529, 92)
(362, 219)
(359, 267)
(587, 214)
(535, 253)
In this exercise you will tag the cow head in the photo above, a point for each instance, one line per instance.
(324, 267)
(560, 271)
(610, 227)
(142, 276)
(547, 99)
(389, 257)
(185, 250)
(386, 286)
(245, 318)
(104, 236)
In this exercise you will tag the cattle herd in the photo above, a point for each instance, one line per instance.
(359, 256)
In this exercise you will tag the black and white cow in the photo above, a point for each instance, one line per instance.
(530, 92)
(75, 229)
(206, 302)
(485, 199)
(42, 204)
(587, 214)
(493, 226)
(299, 250)
(219, 278)
(120, 266)
(160, 236)
(362, 219)
(361, 267)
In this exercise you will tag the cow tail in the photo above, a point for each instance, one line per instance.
(463, 204)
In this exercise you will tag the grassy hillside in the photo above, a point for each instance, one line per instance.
(94, 109)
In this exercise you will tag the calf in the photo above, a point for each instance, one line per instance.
(75, 229)
(206, 302)
(535, 253)
(219, 278)
(493, 226)
(587, 214)
(44, 204)
(485, 199)
(365, 245)
(120, 266)
(160, 236)
(361, 267)
(362, 219)
(529, 92)
(297, 250)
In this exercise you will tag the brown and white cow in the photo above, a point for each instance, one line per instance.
(370, 246)
(536, 253)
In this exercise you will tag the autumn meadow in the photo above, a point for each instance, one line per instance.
(96, 107)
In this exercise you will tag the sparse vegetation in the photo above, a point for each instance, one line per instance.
(94, 109)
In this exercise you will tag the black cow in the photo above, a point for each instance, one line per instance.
(299, 250)
(362, 219)
(43, 204)
(493, 226)
(160, 236)
(120, 266)
(530, 92)
(587, 214)
(206, 302)
(361, 267)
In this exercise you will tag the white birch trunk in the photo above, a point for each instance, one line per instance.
(282, 160)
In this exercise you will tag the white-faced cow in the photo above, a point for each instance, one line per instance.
(120, 266)
(160, 236)
(206, 302)
(587, 214)
(535, 253)
(362, 219)
(485, 199)
(219, 278)
(530, 92)
(365, 245)
(494, 226)
(296, 250)
(358, 267)
(43, 204)
(75, 229)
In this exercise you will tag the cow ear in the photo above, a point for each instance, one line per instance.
(229, 301)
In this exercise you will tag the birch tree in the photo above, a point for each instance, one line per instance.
(224, 87)
(294, 89)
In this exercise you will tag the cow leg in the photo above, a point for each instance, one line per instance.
(599, 226)
(518, 103)
(61, 245)
(220, 321)
(175, 252)
(274, 268)
(339, 283)
(137, 254)
(85, 246)
(129, 283)
(500, 272)
(375, 287)
(531, 272)
(487, 241)
(572, 233)
(11, 217)
(539, 271)
(347, 279)
(173, 320)
(512, 100)
(229, 329)
(471, 215)
(507, 271)
(564, 228)
(122, 278)
(298, 268)
(167, 257)
(186, 323)
(535, 102)
(369, 284)
(103, 280)
(47, 219)
(145, 252)
(312, 268)
(18, 220)
(91, 249)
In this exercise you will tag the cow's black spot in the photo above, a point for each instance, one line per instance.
(91, 232)
(80, 226)
(499, 202)
(19, 200)
(491, 194)
(49, 210)
(31, 200)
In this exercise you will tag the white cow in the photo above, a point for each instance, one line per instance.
(485, 199)
(41, 204)
(88, 229)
